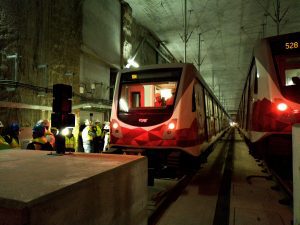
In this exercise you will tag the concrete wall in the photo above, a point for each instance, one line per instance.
(93, 71)
(46, 35)
(101, 30)
(76, 42)
(72, 189)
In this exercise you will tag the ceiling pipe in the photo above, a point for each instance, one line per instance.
(158, 51)
(185, 32)
(15, 58)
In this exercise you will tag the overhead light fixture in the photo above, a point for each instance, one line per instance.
(131, 62)
(13, 56)
(87, 106)
(69, 73)
(81, 88)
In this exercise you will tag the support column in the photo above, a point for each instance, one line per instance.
(296, 172)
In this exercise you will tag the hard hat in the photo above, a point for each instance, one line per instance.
(88, 123)
(106, 126)
(38, 130)
(14, 127)
(1, 124)
(44, 122)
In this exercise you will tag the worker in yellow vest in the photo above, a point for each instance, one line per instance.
(39, 141)
(88, 135)
(98, 140)
(70, 141)
(3, 143)
(12, 137)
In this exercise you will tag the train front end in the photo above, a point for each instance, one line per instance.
(275, 101)
(152, 110)
(276, 105)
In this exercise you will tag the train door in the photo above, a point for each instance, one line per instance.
(209, 115)
(200, 110)
(216, 117)
(252, 96)
(217, 120)
(246, 99)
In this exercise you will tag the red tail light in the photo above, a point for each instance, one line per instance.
(282, 107)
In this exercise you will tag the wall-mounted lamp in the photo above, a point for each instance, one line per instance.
(81, 88)
(131, 62)
(13, 56)
(43, 74)
(69, 73)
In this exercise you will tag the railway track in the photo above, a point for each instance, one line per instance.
(162, 194)
(282, 184)
(166, 191)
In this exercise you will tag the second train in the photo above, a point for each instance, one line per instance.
(166, 112)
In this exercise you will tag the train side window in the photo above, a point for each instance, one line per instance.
(256, 82)
(193, 100)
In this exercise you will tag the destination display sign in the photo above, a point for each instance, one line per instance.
(286, 44)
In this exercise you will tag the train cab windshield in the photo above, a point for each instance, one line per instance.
(289, 72)
(147, 97)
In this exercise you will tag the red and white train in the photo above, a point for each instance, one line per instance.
(165, 111)
(270, 102)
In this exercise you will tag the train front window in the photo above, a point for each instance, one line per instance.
(292, 77)
(158, 95)
(148, 94)
(289, 73)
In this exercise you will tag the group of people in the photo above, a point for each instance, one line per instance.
(9, 138)
(161, 101)
(93, 138)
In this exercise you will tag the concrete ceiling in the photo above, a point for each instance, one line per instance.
(228, 30)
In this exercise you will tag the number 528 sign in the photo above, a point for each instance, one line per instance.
(291, 45)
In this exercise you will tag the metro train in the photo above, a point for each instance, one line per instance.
(270, 103)
(166, 112)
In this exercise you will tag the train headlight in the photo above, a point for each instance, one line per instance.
(171, 126)
(115, 125)
(170, 130)
(115, 130)
(282, 107)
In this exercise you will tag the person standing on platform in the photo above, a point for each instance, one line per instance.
(88, 135)
(98, 138)
(48, 134)
(12, 137)
(3, 143)
(79, 139)
(106, 136)
(39, 141)
(70, 141)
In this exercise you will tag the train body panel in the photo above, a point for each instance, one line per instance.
(177, 125)
(270, 103)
